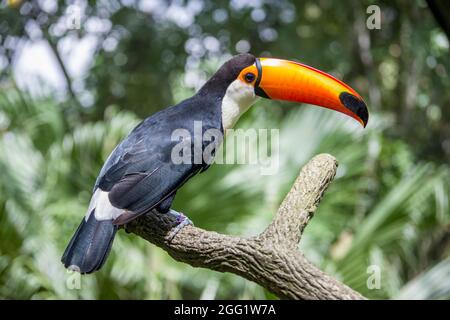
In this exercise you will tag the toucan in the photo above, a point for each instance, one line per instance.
(140, 175)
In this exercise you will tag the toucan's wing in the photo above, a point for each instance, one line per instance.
(139, 174)
(142, 183)
(141, 192)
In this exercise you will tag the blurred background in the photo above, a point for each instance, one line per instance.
(77, 76)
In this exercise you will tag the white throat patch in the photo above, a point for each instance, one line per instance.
(238, 99)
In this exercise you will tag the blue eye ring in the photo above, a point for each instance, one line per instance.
(249, 77)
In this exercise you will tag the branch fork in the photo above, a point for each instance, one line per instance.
(272, 258)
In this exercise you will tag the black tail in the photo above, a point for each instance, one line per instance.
(90, 245)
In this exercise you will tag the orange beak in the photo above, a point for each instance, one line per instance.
(293, 81)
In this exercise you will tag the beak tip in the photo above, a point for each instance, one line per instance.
(356, 105)
(365, 121)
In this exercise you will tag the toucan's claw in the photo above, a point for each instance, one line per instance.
(181, 222)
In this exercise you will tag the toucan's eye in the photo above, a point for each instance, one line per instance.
(249, 77)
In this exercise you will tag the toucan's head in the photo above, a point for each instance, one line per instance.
(247, 77)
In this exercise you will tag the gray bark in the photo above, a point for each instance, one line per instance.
(272, 258)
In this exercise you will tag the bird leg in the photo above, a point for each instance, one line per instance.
(181, 221)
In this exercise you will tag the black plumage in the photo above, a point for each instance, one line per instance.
(90, 245)
(139, 175)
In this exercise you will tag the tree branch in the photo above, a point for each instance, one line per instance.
(270, 259)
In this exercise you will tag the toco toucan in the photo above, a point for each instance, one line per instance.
(139, 175)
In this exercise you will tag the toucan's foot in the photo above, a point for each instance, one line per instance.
(181, 221)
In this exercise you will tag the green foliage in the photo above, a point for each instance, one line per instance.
(377, 212)
(389, 204)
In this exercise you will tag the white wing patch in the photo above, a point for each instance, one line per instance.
(104, 210)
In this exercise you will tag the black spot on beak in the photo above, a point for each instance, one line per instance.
(355, 105)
